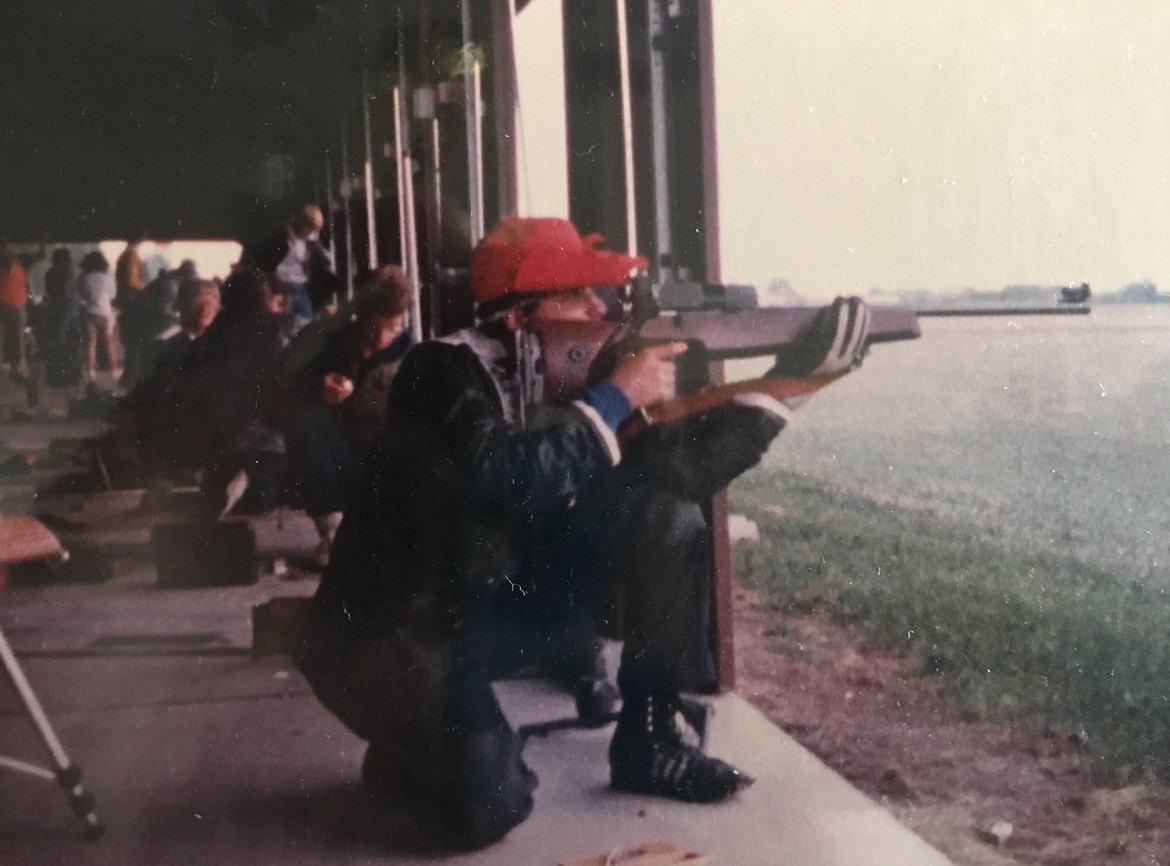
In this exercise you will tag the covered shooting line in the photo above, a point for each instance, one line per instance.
(438, 146)
(409, 123)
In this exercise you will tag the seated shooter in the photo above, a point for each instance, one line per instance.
(479, 536)
(339, 404)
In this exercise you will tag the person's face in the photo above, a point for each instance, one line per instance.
(575, 305)
(202, 313)
(279, 303)
(309, 230)
(378, 332)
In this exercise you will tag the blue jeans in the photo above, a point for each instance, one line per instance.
(300, 305)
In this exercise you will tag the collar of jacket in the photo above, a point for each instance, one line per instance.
(515, 372)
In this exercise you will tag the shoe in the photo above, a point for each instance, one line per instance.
(234, 492)
(649, 756)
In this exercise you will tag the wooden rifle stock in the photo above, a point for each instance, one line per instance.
(752, 333)
(577, 354)
(665, 411)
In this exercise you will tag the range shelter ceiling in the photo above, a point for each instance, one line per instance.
(189, 118)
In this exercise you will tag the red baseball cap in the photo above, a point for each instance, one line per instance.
(543, 255)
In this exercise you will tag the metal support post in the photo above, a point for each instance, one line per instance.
(396, 99)
(664, 254)
(347, 202)
(371, 224)
(623, 47)
(473, 107)
(330, 223)
(435, 226)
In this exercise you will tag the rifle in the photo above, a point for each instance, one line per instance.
(718, 324)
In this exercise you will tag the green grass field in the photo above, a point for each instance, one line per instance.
(996, 496)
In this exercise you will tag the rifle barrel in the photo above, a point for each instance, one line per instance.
(1070, 310)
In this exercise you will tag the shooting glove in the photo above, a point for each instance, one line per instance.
(834, 342)
(699, 456)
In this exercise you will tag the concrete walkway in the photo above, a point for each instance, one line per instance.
(200, 755)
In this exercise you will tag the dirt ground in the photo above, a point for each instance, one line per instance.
(868, 713)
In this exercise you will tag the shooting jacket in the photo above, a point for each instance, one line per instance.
(461, 499)
(455, 485)
(455, 490)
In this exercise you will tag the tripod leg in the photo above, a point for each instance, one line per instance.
(68, 774)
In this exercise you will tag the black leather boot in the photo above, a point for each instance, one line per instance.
(648, 755)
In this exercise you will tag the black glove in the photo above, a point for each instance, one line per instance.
(834, 342)
(699, 456)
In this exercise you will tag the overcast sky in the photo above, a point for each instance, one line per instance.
(903, 144)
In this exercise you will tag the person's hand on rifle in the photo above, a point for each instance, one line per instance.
(649, 375)
(834, 343)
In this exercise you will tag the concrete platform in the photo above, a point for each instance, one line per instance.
(199, 755)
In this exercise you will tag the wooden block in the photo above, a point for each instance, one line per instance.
(204, 553)
(659, 853)
(84, 510)
(277, 625)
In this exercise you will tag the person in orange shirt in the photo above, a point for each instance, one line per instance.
(129, 283)
(13, 312)
(129, 271)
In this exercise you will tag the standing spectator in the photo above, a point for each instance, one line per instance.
(130, 271)
(95, 290)
(130, 283)
(13, 312)
(58, 326)
(298, 260)
(160, 299)
(156, 319)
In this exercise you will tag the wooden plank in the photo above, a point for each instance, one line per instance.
(26, 539)
(94, 510)
(658, 853)
(82, 510)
